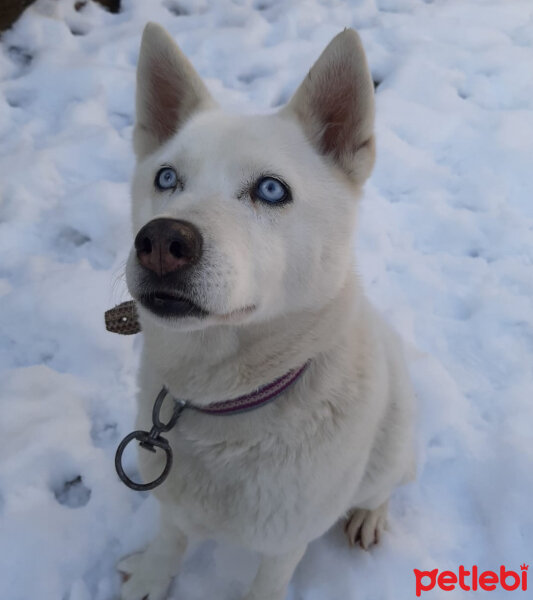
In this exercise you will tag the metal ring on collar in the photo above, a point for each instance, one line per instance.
(143, 436)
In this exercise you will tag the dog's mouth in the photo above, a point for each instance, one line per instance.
(164, 304)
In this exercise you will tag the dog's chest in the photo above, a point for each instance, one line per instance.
(261, 491)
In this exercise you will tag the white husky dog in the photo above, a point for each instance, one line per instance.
(243, 272)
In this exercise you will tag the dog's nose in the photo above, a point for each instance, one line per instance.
(168, 245)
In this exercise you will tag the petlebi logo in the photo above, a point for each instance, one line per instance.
(474, 580)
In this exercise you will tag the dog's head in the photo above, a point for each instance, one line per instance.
(239, 219)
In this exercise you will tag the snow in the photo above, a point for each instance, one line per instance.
(445, 250)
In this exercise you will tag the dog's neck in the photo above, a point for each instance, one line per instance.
(223, 362)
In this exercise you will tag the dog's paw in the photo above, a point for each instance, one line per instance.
(366, 526)
(142, 579)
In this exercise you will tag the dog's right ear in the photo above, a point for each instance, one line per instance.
(169, 91)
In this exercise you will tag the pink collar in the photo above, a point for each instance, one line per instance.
(254, 399)
(151, 440)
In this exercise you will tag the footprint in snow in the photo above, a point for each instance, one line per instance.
(251, 76)
(73, 493)
(69, 236)
(20, 55)
(176, 9)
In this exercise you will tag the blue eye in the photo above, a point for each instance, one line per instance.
(166, 179)
(271, 190)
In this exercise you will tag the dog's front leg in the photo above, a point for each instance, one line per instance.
(148, 574)
(274, 575)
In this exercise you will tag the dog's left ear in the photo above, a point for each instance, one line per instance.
(335, 106)
(169, 90)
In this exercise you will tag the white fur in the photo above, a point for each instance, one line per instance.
(280, 286)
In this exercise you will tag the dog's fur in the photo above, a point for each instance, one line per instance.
(280, 288)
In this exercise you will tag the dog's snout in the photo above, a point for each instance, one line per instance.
(168, 245)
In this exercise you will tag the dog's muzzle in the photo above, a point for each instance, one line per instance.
(166, 250)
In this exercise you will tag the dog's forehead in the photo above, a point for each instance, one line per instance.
(215, 137)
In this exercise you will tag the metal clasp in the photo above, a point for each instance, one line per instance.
(151, 440)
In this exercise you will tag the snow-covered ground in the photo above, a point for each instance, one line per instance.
(445, 246)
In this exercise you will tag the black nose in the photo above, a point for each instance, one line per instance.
(168, 245)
